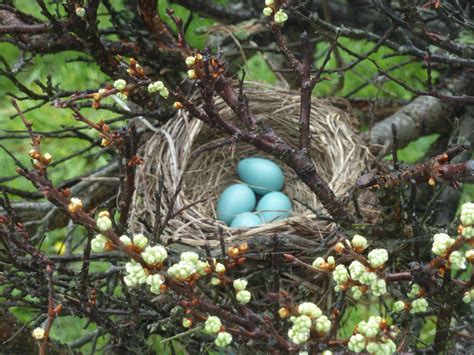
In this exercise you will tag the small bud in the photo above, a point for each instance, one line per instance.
(104, 223)
(47, 158)
(377, 257)
(243, 297)
(38, 333)
(178, 105)
(191, 74)
(99, 243)
(243, 248)
(331, 261)
(283, 312)
(80, 11)
(75, 205)
(120, 84)
(240, 284)
(220, 268)
(419, 305)
(215, 281)
(140, 241)
(32, 153)
(187, 322)
(470, 256)
(125, 240)
(359, 243)
(233, 252)
(280, 17)
(223, 339)
(339, 248)
(398, 306)
(212, 325)
(267, 11)
(190, 61)
(318, 262)
(268, 2)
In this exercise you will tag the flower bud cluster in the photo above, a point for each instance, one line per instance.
(243, 296)
(136, 274)
(154, 255)
(223, 339)
(212, 325)
(398, 306)
(75, 204)
(420, 305)
(155, 282)
(359, 243)
(140, 241)
(327, 264)
(370, 338)
(280, 17)
(467, 214)
(104, 223)
(98, 243)
(441, 243)
(414, 291)
(468, 296)
(457, 260)
(120, 84)
(377, 257)
(268, 10)
(309, 315)
(160, 88)
(188, 265)
(358, 272)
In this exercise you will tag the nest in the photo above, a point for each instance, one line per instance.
(337, 151)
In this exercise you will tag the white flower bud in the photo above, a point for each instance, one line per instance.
(212, 325)
(356, 292)
(357, 270)
(467, 214)
(318, 262)
(190, 61)
(74, 205)
(220, 268)
(398, 306)
(164, 93)
(98, 243)
(379, 288)
(215, 281)
(120, 84)
(140, 241)
(125, 240)
(104, 223)
(368, 278)
(190, 256)
(269, 2)
(441, 242)
(38, 333)
(420, 305)
(309, 309)
(243, 296)
(300, 322)
(240, 284)
(182, 270)
(202, 267)
(356, 343)
(331, 261)
(414, 291)
(191, 74)
(340, 274)
(468, 232)
(457, 260)
(80, 11)
(327, 352)
(155, 281)
(136, 274)
(370, 328)
(359, 242)
(267, 11)
(223, 339)
(377, 257)
(280, 17)
(122, 96)
(323, 325)
(154, 255)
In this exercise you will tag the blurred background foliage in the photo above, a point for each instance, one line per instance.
(69, 73)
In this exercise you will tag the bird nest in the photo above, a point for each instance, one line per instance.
(178, 149)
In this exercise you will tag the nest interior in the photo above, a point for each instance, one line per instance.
(337, 151)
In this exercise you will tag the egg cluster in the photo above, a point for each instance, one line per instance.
(258, 199)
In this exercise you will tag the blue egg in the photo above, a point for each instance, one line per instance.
(274, 206)
(246, 220)
(234, 200)
(262, 175)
